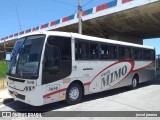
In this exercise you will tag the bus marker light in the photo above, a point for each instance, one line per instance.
(62, 96)
(66, 80)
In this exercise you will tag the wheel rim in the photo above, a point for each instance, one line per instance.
(74, 93)
(134, 83)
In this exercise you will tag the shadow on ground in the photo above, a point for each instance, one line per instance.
(22, 107)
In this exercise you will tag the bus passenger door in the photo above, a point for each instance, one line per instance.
(57, 63)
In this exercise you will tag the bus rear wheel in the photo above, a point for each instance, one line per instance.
(134, 83)
(74, 94)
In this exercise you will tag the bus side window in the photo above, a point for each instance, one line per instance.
(124, 53)
(152, 55)
(82, 50)
(52, 58)
(94, 51)
(108, 52)
(103, 51)
(146, 54)
(136, 53)
(121, 52)
(113, 52)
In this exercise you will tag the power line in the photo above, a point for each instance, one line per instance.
(64, 3)
(87, 3)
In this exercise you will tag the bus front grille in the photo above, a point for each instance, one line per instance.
(17, 80)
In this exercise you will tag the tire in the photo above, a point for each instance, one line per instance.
(74, 94)
(134, 83)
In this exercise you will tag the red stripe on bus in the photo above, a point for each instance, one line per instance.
(61, 90)
(143, 67)
(85, 84)
(133, 71)
(55, 92)
(132, 65)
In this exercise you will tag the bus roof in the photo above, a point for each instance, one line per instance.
(90, 38)
(109, 41)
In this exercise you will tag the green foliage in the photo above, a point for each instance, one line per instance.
(3, 69)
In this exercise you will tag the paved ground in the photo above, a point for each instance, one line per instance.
(145, 98)
(4, 95)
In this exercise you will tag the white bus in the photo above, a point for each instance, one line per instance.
(47, 67)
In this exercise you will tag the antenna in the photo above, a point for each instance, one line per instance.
(18, 18)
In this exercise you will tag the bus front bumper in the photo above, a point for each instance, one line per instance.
(31, 97)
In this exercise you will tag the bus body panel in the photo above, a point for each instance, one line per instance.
(95, 75)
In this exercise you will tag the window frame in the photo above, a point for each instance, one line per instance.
(94, 42)
(141, 57)
(150, 55)
(107, 44)
(119, 45)
(81, 40)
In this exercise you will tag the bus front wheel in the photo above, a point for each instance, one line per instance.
(74, 94)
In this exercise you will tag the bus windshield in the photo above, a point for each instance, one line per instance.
(26, 56)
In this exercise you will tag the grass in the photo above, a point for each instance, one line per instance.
(3, 69)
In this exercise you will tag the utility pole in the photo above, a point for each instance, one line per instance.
(4, 55)
(80, 17)
(158, 60)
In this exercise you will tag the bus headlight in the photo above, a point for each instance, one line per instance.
(29, 88)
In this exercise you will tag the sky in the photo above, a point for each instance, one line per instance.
(33, 13)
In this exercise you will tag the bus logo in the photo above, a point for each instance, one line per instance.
(111, 76)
